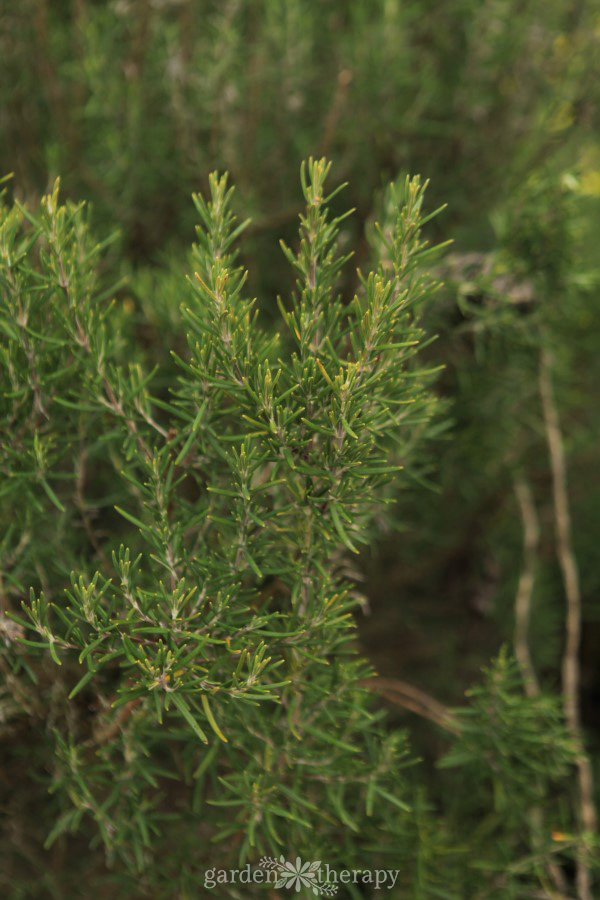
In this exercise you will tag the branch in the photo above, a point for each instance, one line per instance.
(531, 538)
(106, 733)
(568, 565)
(409, 697)
(80, 502)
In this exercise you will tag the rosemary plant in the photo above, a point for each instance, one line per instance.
(185, 664)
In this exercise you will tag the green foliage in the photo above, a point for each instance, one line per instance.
(520, 742)
(135, 103)
(510, 759)
(218, 643)
(220, 638)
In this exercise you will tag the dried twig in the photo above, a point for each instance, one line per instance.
(568, 565)
(531, 537)
(80, 501)
(409, 697)
(344, 81)
(105, 733)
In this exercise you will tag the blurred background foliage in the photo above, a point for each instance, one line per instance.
(134, 102)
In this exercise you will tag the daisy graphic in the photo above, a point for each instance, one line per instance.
(299, 875)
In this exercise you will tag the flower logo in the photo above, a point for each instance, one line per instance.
(299, 875)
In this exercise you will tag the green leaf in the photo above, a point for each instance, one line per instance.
(187, 714)
(131, 518)
(329, 738)
(340, 529)
(211, 718)
(82, 683)
(52, 496)
(391, 799)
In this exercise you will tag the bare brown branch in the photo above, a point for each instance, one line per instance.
(531, 537)
(568, 565)
(409, 697)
